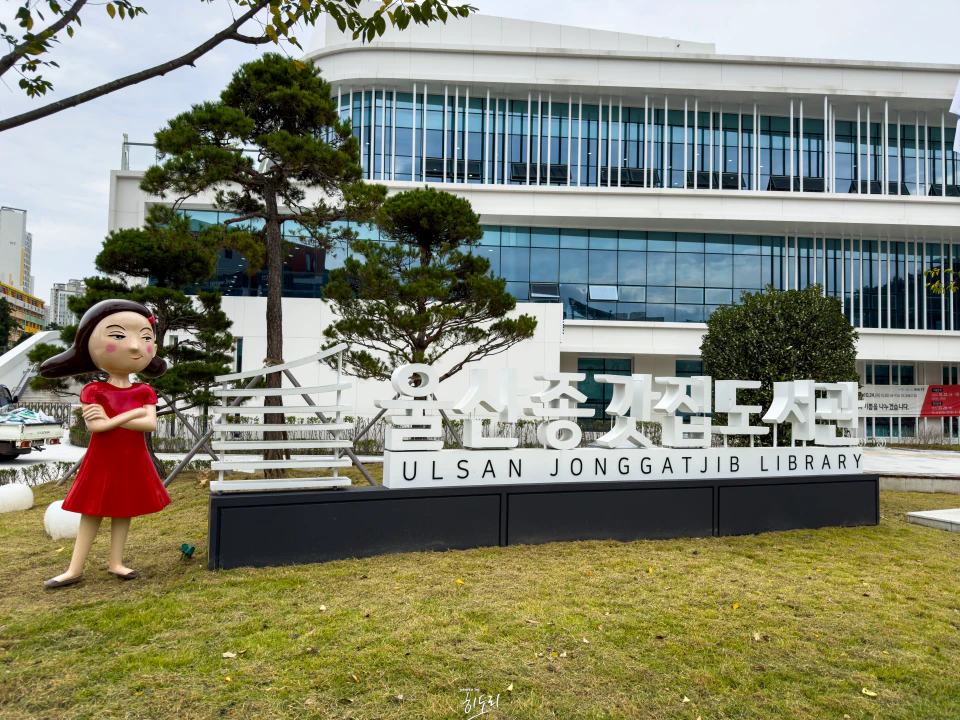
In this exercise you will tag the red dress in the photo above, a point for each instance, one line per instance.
(117, 478)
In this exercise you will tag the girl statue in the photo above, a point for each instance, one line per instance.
(117, 478)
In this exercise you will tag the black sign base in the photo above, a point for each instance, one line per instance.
(289, 528)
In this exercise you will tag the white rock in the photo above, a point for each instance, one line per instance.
(15, 496)
(60, 523)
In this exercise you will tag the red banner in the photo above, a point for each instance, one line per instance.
(941, 400)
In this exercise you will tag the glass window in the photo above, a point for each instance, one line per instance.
(689, 242)
(689, 368)
(515, 236)
(690, 269)
(689, 313)
(661, 294)
(515, 263)
(545, 237)
(573, 266)
(632, 267)
(660, 313)
(603, 267)
(746, 244)
(602, 292)
(520, 290)
(869, 374)
(881, 374)
(630, 240)
(574, 299)
(491, 235)
(603, 240)
(544, 265)
(633, 294)
(718, 297)
(661, 241)
(690, 295)
(718, 243)
(599, 394)
(718, 271)
(906, 375)
(661, 268)
(746, 271)
(576, 239)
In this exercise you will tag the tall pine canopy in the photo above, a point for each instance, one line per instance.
(422, 296)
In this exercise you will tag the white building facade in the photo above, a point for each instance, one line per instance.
(57, 311)
(630, 185)
(16, 250)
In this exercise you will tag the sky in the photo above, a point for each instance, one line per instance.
(58, 168)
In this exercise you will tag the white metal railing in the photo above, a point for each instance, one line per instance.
(237, 455)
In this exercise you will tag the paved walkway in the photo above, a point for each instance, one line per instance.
(910, 463)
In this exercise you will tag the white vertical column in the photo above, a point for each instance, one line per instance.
(800, 155)
(791, 144)
(916, 152)
(739, 146)
(723, 160)
(710, 176)
(685, 158)
(860, 279)
(456, 136)
(413, 136)
(486, 138)
(666, 143)
(858, 155)
(869, 153)
(646, 141)
(756, 147)
(620, 143)
(796, 262)
(786, 260)
(363, 153)
(826, 145)
(906, 283)
(899, 155)
(823, 261)
(529, 131)
(813, 257)
(843, 279)
(926, 170)
(569, 136)
(920, 279)
(445, 102)
(696, 131)
(549, 134)
(890, 257)
(943, 315)
(383, 134)
(539, 133)
(579, 140)
(496, 139)
(943, 159)
(423, 154)
(610, 141)
(886, 147)
(393, 138)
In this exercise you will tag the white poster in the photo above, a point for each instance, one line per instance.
(893, 400)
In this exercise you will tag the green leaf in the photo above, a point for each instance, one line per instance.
(111, 10)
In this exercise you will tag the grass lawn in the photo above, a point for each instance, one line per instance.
(784, 625)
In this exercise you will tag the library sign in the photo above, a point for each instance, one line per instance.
(822, 416)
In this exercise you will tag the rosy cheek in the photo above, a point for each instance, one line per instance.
(150, 349)
(111, 347)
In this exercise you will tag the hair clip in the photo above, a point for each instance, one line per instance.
(151, 319)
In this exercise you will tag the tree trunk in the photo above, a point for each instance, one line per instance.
(274, 326)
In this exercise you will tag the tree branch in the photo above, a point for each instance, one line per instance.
(249, 40)
(19, 51)
(135, 78)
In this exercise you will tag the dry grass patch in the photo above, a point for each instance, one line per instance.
(784, 625)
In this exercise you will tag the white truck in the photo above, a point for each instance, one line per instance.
(21, 438)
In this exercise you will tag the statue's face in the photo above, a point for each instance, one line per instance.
(122, 343)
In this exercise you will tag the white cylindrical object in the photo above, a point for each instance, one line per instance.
(14, 497)
(61, 524)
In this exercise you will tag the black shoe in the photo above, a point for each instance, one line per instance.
(132, 575)
(54, 583)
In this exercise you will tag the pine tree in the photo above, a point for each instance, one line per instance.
(283, 109)
(423, 293)
(7, 324)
